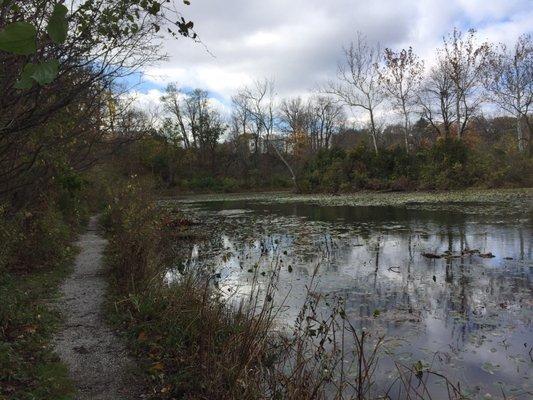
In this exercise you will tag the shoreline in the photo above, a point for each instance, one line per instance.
(514, 197)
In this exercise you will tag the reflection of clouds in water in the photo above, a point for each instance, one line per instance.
(461, 306)
(173, 274)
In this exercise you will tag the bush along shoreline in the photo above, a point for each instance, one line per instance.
(195, 343)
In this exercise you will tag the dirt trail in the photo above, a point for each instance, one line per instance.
(97, 360)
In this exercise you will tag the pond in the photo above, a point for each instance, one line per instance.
(447, 285)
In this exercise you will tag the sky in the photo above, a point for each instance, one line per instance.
(298, 43)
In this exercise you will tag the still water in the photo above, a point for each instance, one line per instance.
(467, 313)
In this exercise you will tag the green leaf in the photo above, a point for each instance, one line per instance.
(58, 24)
(155, 8)
(26, 81)
(19, 38)
(46, 72)
(43, 73)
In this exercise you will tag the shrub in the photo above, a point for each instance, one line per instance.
(10, 234)
(229, 184)
(133, 225)
(401, 183)
(42, 238)
(448, 164)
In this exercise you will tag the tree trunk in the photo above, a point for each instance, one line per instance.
(186, 142)
(293, 175)
(519, 134)
(373, 131)
(458, 112)
(406, 128)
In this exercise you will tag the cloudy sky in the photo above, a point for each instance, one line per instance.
(298, 43)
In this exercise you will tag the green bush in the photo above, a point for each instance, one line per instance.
(229, 184)
(448, 164)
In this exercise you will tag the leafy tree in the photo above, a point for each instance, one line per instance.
(58, 56)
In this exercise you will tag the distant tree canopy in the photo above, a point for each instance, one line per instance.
(397, 103)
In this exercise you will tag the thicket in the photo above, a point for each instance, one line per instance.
(477, 161)
(448, 164)
(59, 61)
(35, 253)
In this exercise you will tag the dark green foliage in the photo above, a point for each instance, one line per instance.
(448, 164)
(58, 24)
(19, 38)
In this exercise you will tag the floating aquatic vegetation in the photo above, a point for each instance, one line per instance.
(462, 300)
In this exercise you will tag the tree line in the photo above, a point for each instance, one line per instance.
(382, 96)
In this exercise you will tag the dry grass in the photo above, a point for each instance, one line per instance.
(196, 343)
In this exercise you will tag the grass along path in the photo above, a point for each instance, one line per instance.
(97, 360)
(29, 368)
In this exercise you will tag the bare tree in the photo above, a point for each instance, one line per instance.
(243, 121)
(436, 99)
(193, 120)
(260, 102)
(508, 79)
(327, 118)
(401, 77)
(358, 81)
(204, 123)
(463, 61)
(173, 104)
(295, 118)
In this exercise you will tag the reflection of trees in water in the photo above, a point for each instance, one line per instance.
(467, 289)
(475, 290)
(460, 308)
(408, 286)
(377, 248)
(461, 287)
(522, 251)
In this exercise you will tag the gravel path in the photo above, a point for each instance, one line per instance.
(97, 360)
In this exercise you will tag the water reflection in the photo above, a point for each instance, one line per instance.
(473, 307)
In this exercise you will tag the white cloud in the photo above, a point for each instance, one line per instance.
(212, 78)
(147, 101)
(150, 102)
(262, 39)
(298, 43)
